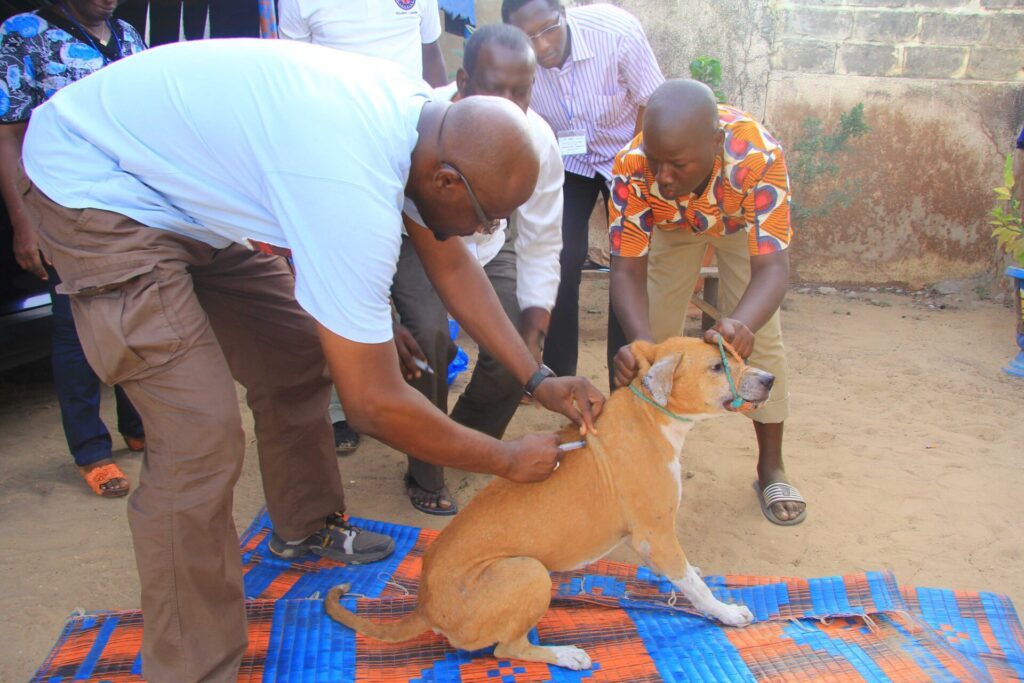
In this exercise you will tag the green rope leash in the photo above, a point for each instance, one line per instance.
(737, 400)
(659, 407)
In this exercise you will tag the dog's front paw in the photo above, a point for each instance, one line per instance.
(734, 615)
(571, 657)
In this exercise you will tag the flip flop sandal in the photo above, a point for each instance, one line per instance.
(104, 474)
(412, 489)
(779, 492)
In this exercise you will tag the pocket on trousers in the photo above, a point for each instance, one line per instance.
(125, 332)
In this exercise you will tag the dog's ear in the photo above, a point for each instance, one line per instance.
(658, 380)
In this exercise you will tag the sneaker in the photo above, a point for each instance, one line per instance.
(346, 440)
(338, 541)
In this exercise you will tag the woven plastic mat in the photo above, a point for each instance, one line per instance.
(859, 627)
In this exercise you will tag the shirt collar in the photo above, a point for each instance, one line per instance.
(579, 49)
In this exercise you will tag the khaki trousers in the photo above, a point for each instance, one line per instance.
(173, 321)
(673, 267)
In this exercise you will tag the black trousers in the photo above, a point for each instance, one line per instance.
(228, 19)
(561, 349)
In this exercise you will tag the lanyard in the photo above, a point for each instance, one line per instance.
(572, 96)
(88, 36)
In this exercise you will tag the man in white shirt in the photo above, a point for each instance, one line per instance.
(520, 260)
(403, 31)
(160, 219)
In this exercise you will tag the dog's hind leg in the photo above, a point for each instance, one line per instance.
(504, 602)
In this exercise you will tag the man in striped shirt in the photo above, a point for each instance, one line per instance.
(596, 71)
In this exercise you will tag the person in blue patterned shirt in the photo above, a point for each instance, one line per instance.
(40, 53)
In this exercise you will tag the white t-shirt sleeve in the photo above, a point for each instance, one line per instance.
(430, 21)
(345, 239)
(290, 22)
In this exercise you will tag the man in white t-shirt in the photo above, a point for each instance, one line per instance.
(521, 263)
(403, 31)
(161, 219)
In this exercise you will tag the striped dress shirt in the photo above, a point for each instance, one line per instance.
(610, 73)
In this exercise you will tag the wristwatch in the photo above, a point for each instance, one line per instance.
(543, 372)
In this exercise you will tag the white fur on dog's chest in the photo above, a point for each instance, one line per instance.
(675, 433)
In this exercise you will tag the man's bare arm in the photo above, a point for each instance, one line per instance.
(435, 72)
(379, 403)
(468, 295)
(26, 251)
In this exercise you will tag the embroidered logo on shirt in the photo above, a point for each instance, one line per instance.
(406, 4)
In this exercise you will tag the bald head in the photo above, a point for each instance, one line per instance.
(487, 141)
(488, 138)
(682, 136)
(681, 107)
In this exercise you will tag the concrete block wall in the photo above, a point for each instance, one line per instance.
(947, 39)
(942, 84)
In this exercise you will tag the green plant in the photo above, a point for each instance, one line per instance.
(1007, 226)
(708, 71)
(816, 156)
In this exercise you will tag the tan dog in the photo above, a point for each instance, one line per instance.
(485, 579)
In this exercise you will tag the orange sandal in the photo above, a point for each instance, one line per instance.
(104, 474)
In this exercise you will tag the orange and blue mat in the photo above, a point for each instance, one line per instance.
(860, 627)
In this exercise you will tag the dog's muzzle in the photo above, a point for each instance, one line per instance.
(755, 386)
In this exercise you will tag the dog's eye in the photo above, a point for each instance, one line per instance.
(717, 367)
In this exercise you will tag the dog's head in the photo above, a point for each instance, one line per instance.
(687, 376)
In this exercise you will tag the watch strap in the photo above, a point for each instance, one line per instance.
(542, 373)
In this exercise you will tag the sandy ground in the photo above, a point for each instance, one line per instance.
(906, 438)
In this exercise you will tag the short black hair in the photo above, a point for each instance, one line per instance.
(497, 34)
(510, 6)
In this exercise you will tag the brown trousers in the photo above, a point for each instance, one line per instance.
(173, 321)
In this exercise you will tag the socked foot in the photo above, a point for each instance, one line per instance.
(783, 511)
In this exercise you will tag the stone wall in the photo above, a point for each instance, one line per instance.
(942, 83)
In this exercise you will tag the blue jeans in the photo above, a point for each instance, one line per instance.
(78, 390)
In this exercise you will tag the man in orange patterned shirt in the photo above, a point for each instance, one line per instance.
(703, 173)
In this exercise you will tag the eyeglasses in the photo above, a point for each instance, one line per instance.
(546, 31)
(487, 225)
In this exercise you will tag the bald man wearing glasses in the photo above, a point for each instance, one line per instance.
(166, 222)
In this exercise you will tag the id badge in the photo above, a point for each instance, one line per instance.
(572, 142)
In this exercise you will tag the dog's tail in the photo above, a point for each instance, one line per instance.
(391, 632)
